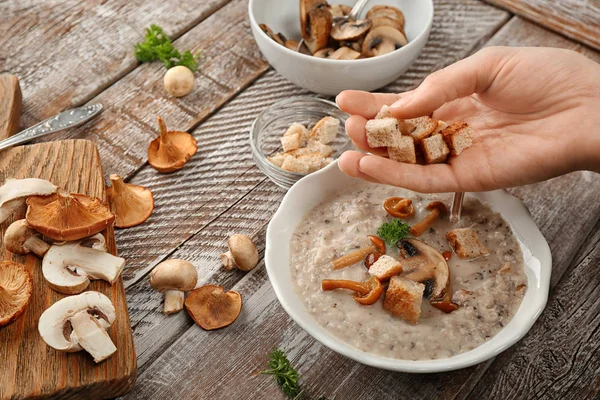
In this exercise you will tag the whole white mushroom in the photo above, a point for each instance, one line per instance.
(179, 81)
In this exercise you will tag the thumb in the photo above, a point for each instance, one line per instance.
(472, 75)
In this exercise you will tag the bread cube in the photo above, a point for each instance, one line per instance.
(300, 129)
(291, 142)
(277, 159)
(382, 132)
(404, 151)
(420, 128)
(292, 164)
(325, 130)
(435, 149)
(466, 243)
(385, 267)
(384, 112)
(403, 299)
(458, 137)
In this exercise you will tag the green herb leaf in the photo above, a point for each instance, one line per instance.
(158, 47)
(285, 375)
(393, 231)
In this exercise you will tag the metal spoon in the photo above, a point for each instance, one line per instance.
(64, 120)
(358, 7)
(456, 208)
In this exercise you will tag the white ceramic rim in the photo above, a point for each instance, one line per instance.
(325, 61)
(528, 312)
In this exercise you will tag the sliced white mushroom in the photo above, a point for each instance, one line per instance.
(14, 192)
(350, 30)
(68, 267)
(80, 322)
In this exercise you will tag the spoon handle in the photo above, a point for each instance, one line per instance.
(64, 120)
(456, 209)
(358, 7)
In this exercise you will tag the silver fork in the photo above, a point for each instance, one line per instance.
(356, 10)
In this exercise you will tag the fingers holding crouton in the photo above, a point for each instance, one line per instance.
(355, 127)
(365, 104)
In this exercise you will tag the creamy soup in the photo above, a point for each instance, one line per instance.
(488, 289)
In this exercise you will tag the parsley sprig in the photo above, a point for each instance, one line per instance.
(158, 46)
(393, 231)
(285, 375)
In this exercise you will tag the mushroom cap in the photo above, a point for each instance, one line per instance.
(345, 53)
(425, 263)
(15, 290)
(319, 27)
(437, 205)
(131, 204)
(16, 235)
(19, 188)
(179, 81)
(387, 21)
(383, 40)
(340, 10)
(386, 11)
(174, 274)
(54, 326)
(350, 30)
(324, 53)
(213, 308)
(171, 150)
(68, 216)
(306, 6)
(243, 251)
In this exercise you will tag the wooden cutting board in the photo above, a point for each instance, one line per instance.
(28, 367)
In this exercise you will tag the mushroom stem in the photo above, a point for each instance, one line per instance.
(227, 261)
(173, 301)
(352, 258)
(92, 337)
(117, 183)
(37, 246)
(163, 130)
(419, 228)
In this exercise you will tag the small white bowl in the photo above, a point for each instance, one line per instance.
(330, 77)
(317, 187)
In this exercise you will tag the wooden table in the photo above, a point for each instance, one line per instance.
(72, 52)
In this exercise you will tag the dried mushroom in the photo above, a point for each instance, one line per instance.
(15, 291)
(68, 216)
(383, 40)
(213, 308)
(171, 150)
(131, 204)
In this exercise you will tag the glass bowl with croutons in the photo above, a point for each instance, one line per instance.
(298, 136)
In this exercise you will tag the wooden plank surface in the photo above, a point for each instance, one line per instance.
(29, 367)
(559, 357)
(67, 51)
(10, 105)
(577, 19)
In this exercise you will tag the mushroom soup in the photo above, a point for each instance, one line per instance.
(485, 291)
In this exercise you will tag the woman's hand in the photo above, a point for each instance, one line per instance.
(535, 113)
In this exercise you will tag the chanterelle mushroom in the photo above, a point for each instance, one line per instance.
(67, 216)
(78, 323)
(173, 278)
(382, 40)
(424, 264)
(350, 30)
(131, 204)
(68, 267)
(14, 192)
(213, 308)
(242, 253)
(171, 150)
(19, 238)
(15, 291)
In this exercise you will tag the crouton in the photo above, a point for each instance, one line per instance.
(403, 299)
(291, 142)
(313, 161)
(299, 129)
(458, 137)
(292, 164)
(420, 128)
(385, 267)
(277, 159)
(441, 126)
(404, 151)
(325, 130)
(465, 243)
(435, 149)
(382, 132)
(384, 112)
(323, 149)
